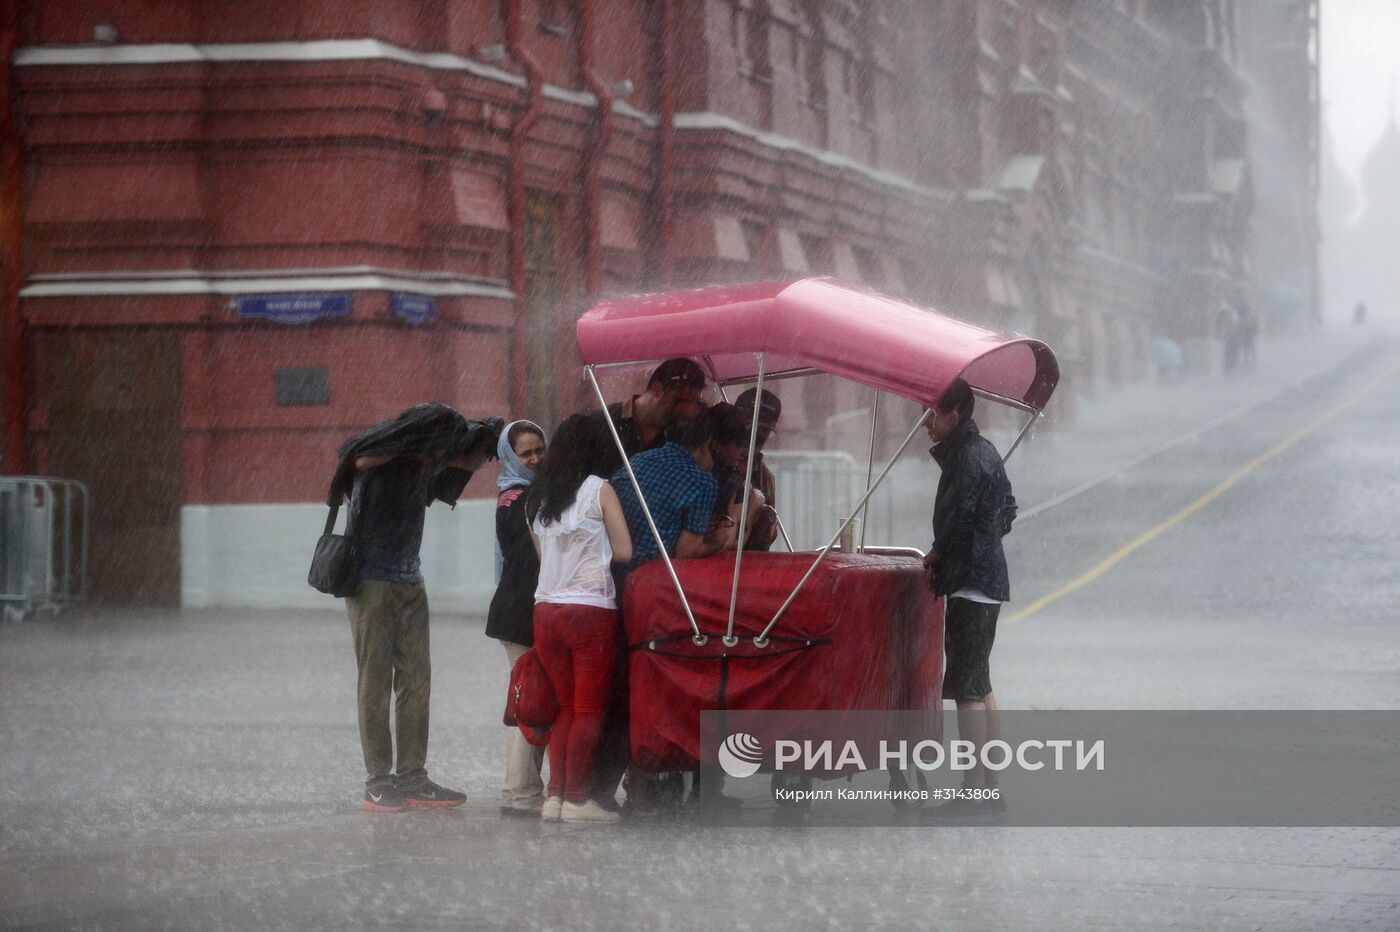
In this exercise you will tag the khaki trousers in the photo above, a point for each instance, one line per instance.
(390, 624)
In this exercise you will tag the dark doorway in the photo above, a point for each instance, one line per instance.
(114, 424)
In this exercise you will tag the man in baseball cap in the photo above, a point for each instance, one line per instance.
(672, 396)
(769, 409)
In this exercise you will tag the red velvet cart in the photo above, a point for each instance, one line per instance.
(831, 629)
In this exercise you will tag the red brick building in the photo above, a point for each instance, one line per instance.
(234, 234)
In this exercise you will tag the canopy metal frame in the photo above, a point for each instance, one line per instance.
(729, 639)
(761, 641)
(1025, 429)
(700, 639)
(861, 507)
(724, 396)
(869, 467)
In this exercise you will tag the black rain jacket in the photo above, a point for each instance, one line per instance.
(422, 430)
(973, 510)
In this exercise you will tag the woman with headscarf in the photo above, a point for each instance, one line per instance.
(510, 619)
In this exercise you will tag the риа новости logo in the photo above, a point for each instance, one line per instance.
(740, 755)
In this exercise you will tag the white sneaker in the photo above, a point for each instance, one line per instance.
(550, 811)
(587, 812)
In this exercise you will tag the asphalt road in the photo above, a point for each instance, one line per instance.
(1277, 591)
(201, 769)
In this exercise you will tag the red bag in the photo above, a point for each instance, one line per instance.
(531, 703)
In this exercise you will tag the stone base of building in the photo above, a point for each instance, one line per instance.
(257, 556)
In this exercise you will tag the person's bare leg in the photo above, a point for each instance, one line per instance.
(972, 726)
(990, 777)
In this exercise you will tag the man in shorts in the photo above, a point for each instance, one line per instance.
(973, 509)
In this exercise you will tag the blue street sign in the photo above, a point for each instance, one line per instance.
(414, 308)
(295, 308)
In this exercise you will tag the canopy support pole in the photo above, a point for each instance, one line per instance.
(1021, 436)
(869, 469)
(783, 531)
(724, 396)
(699, 639)
(729, 639)
(714, 377)
(762, 639)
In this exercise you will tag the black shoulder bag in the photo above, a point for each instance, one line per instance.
(335, 567)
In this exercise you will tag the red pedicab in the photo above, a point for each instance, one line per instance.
(830, 630)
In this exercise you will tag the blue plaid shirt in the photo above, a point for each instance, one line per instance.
(680, 494)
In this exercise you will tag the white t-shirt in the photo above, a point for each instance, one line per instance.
(575, 553)
(975, 595)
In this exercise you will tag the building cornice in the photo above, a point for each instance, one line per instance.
(336, 50)
(259, 281)
(718, 121)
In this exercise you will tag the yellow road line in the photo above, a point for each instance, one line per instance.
(1147, 537)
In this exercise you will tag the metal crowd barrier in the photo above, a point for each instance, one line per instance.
(44, 532)
(817, 488)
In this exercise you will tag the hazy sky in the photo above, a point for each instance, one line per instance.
(1360, 73)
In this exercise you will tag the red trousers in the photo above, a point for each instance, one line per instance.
(578, 646)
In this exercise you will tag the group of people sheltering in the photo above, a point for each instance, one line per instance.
(570, 527)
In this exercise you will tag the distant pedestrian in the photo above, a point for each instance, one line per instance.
(1358, 316)
(973, 509)
(392, 472)
(1249, 336)
(510, 618)
(1166, 353)
(1231, 333)
(580, 531)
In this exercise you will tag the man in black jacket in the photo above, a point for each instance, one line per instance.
(973, 510)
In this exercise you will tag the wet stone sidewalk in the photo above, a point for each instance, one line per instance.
(202, 770)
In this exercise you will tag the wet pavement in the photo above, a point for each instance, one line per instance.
(202, 768)
(1278, 593)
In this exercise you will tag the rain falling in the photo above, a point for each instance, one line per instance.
(507, 463)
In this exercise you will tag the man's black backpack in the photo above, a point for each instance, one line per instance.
(335, 567)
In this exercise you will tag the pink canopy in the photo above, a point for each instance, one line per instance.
(822, 324)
